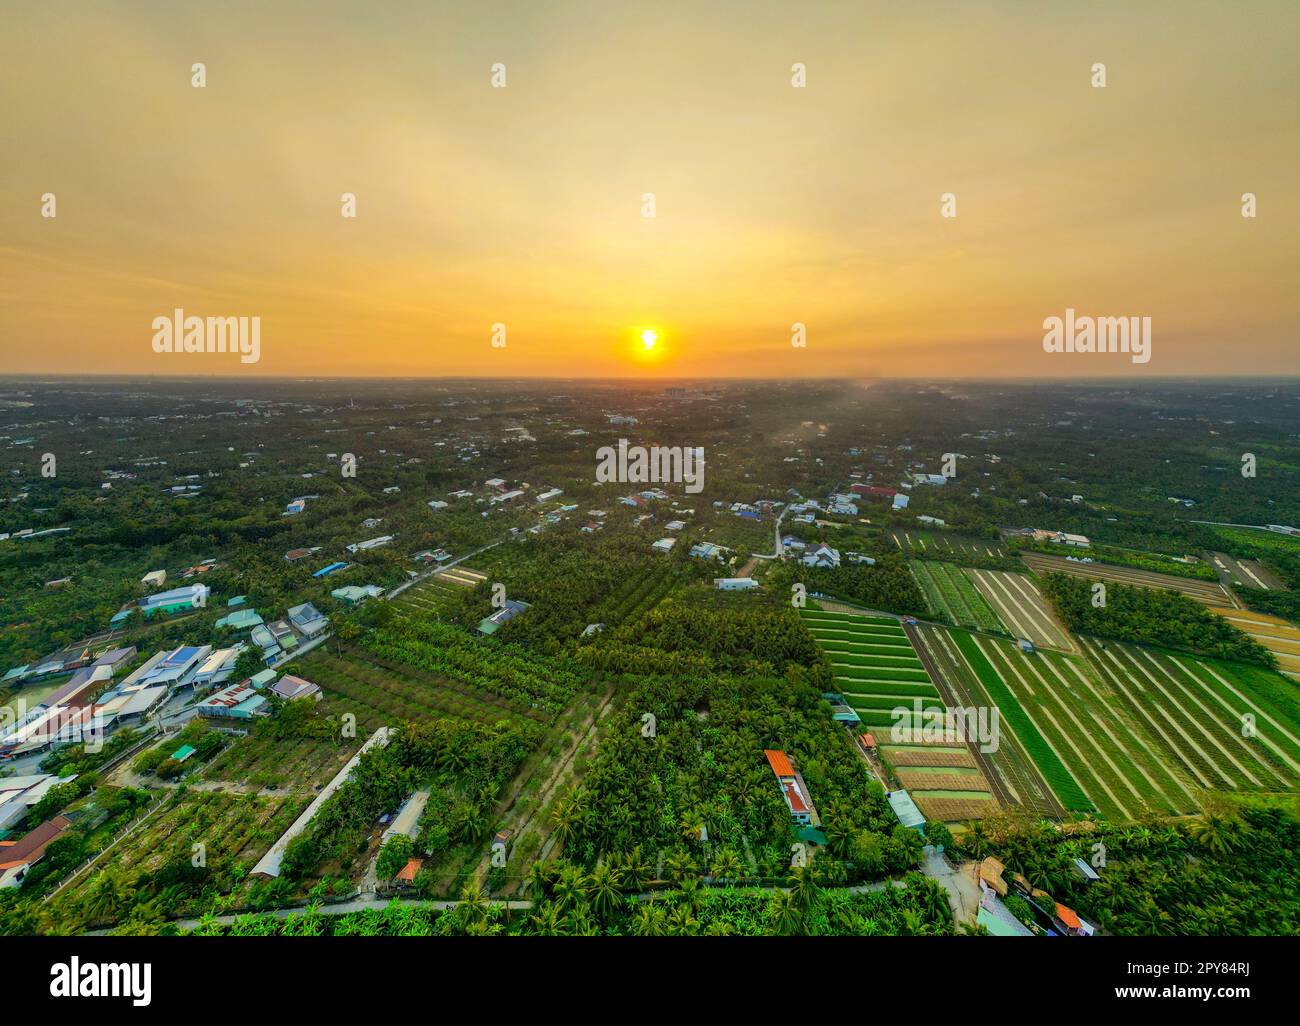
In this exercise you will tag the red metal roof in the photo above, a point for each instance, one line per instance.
(779, 762)
(1067, 916)
(793, 797)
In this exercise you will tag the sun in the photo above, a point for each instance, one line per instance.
(647, 344)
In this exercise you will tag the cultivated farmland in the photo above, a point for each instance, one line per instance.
(381, 690)
(1197, 709)
(1021, 606)
(953, 597)
(1209, 592)
(1245, 573)
(1275, 634)
(1011, 772)
(954, 548)
(878, 672)
(1128, 730)
(431, 595)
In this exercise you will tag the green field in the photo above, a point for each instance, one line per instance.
(874, 664)
(1130, 730)
(953, 596)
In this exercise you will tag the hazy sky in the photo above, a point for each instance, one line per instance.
(775, 204)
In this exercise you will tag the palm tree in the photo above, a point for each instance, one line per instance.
(473, 904)
(804, 889)
(1215, 834)
(539, 879)
(682, 922)
(976, 840)
(548, 921)
(784, 913)
(568, 891)
(636, 870)
(603, 887)
(679, 865)
(727, 866)
(106, 896)
(648, 920)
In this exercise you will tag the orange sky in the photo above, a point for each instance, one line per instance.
(522, 205)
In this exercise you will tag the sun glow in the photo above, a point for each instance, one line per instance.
(649, 337)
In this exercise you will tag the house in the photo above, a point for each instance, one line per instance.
(352, 595)
(841, 711)
(218, 667)
(1066, 920)
(900, 501)
(675, 525)
(932, 521)
(239, 620)
(193, 596)
(183, 753)
(308, 621)
(121, 708)
(372, 543)
(437, 504)
(664, 545)
(905, 809)
(154, 579)
(490, 624)
(171, 670)
(295, 507)
(335, 567)
(292, 688)
(1085, 871)
(793, 788)
(19, 794)
(237, 702)
(407, 874)
(293, 555)
(707, 550)
(17, 857)
(821, 555)
(734, 583)
(506, 496)
(283, 634)
(858, 557)
(265, 640)
(991, 871)
(549, 494)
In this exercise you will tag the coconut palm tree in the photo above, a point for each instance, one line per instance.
(603, 889)
(727, 867)
(784, 914)
(679, 865)
(636, 870)
(647, 920)
(569, 892)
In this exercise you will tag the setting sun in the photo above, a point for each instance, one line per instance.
(649, 338)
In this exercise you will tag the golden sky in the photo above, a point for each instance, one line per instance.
(523, 205)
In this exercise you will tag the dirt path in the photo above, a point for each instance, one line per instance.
(518, 820)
